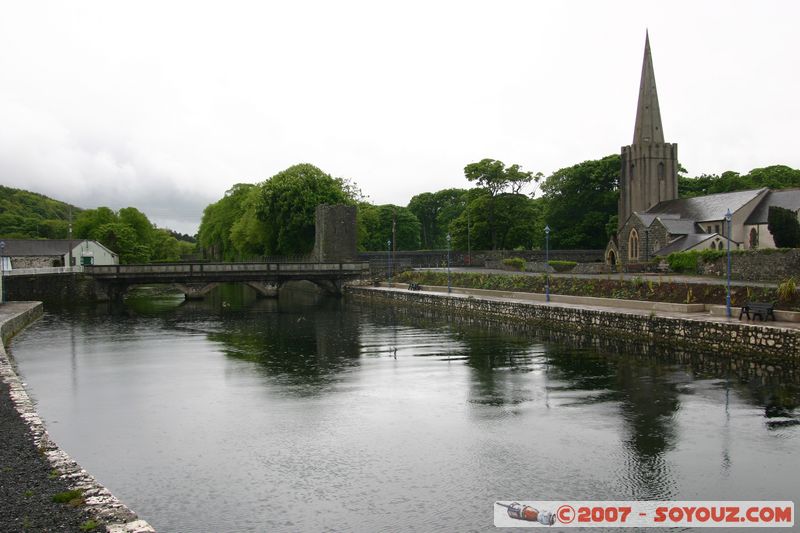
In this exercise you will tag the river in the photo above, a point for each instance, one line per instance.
(314, 414)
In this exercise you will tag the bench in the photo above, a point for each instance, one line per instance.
(413, 286)
(761, 310)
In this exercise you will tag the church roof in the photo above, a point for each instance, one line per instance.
(648, 114)
(786, 198)
(685, 242)
(703, 208)
(679, 226)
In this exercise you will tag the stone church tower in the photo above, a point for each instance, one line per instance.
(649, 172)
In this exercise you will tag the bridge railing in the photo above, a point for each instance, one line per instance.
(218, 268)
(42, 271)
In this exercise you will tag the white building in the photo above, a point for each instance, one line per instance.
(32, 253)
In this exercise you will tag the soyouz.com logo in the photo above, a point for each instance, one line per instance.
(564, 514)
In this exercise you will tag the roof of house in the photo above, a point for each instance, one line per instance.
(702, 208)
(43, 247)
(32, 247)
(786, 198)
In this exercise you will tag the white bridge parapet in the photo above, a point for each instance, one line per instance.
(43, 271)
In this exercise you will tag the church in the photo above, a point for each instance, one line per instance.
(654, 221)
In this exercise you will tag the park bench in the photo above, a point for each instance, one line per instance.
(414, 286)
(761, 310)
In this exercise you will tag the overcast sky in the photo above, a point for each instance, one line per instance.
(165, 105)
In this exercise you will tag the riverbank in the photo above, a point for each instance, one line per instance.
(774, 342)
(34, 471)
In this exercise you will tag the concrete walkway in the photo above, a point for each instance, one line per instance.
(602, 304)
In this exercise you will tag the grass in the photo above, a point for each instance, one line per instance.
(89, 525)
(73, 498)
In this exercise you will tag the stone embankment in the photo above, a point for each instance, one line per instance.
(700, 331)
(38, 467)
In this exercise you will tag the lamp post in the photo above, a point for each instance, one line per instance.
(728, 217)
(469, 244)
(449, 286)
(389, 259)
(547, 263)
(646, 245)
(2, 270)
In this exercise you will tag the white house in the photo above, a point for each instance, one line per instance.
(32, 253)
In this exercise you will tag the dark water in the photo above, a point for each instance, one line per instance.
(318, 415)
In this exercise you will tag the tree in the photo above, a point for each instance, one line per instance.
(286, 205)
(773, 177)
(214, 234)
(435, 211)
(375, 227)
(121, 239)
(579, 202)
(783, 225)
(494, 177)
(518, 222)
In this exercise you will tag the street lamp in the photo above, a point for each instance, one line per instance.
(547, 263)
(469, 244)
(646, 245)
(728, 217)
(389, 259)
(449, 286)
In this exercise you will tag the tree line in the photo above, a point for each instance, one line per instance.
(502, 210)
(127, 232)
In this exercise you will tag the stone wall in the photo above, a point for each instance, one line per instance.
(45, 261)
(757, 265)
(772, 343)
(53, 288)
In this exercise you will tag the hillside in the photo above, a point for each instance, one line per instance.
(25, 214)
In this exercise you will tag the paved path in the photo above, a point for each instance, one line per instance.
(608, 306)
(676, 278)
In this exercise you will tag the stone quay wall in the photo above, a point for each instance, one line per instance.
(729, 338)
(99, 501)
(53, 288)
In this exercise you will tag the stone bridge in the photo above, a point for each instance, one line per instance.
(195, 280)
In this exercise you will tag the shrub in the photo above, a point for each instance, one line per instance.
(685, 262)
(516, 263)
(786, 290)
(562, 266)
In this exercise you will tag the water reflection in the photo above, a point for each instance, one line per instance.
(234, 409)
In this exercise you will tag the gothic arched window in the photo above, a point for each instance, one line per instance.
(633, 245)
(662, 171)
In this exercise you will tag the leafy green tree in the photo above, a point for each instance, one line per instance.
(493, 176)
(214, 234)
(518, 221)
(90, 220)
(435, 211)
(121, 239)
(375, 227)
(580, 201)
(286, 205)
(773, 177)
(782, 223)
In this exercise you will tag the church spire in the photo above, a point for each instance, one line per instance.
(648, 115)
